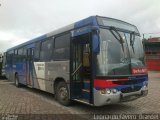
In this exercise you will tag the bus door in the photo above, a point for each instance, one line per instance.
(81, 69)
(29, 67)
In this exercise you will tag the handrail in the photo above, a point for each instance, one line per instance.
(77, 69)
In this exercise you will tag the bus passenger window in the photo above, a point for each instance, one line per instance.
(62, 47)
(46, 50)
(37, 51)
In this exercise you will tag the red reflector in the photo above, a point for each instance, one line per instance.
(139, 71)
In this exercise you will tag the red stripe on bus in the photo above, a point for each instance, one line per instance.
(104, 83)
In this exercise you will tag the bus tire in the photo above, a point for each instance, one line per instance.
(17, 81)
(62, 94)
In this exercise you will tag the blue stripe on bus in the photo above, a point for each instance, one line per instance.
(138, 78)
(88, 21)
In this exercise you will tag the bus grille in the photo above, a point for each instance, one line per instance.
(130, 89)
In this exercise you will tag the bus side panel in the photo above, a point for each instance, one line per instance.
(54, 70)
(38, 75)
(46, 72)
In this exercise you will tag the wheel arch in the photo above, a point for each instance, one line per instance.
(56, 81)
(56, 84)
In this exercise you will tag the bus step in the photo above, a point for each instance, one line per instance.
(85, 101)
(86, 94)
(86, 90)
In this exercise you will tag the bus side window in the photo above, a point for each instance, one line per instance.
(24, 54)
(46, 50)
(37, 51)
(15, 57)
(20, 55)
(62, 47)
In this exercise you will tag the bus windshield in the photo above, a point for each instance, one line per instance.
(117, 58)
(136, 50)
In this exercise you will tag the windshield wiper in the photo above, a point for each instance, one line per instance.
(114, 31)
(132, 39)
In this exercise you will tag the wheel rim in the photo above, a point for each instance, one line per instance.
(63, 93)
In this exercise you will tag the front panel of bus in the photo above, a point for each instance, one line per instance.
(120, 70)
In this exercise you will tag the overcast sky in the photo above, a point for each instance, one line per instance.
(21, 20)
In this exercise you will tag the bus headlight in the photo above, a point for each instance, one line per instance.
(108, 91)
(103, 91)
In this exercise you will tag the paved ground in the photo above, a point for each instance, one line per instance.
(30, 101)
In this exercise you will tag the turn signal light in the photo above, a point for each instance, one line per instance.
(114, 90)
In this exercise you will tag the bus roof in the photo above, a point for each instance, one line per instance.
(92, 20)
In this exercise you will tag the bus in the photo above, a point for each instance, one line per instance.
(96, 61)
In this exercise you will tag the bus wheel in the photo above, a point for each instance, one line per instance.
(62, 94)
(17, 80)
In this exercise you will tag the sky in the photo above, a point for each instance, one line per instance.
(22, 20)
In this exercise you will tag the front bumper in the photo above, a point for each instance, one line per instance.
(105, 99)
